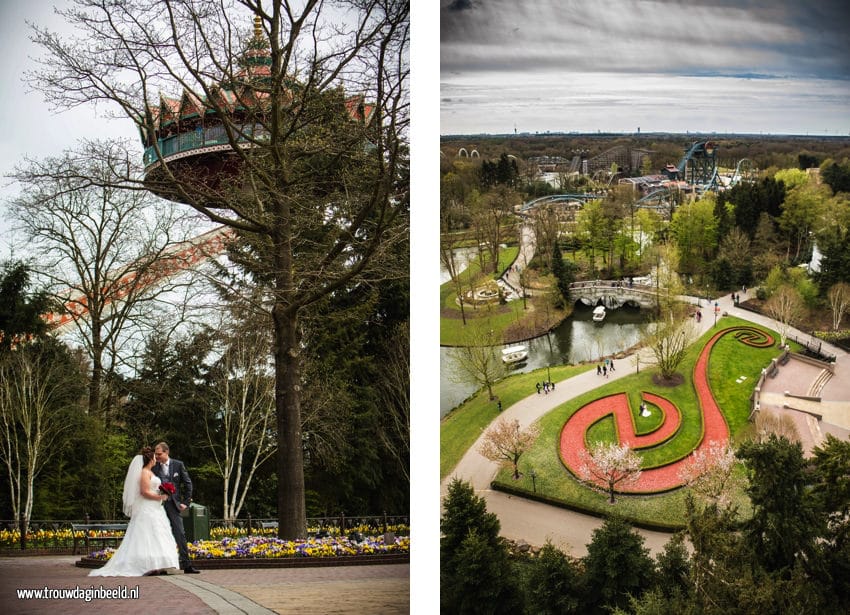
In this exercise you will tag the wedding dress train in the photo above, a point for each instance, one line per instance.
(148, 544)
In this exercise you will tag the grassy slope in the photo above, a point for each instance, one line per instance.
(460, 428)
(497, 317)
(729, 360)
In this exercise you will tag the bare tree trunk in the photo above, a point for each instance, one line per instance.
(290, 493)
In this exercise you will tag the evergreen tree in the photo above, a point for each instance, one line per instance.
(836, 175)
(722, 275)
(564, 273)
(784, 525)
(753, 199)
(552, 585)
(475, 573)
(482, 580)
(831, 492)
(20, 310)
(673, 566)
(464, 511)
(617, 565)
(166, 401)
(835, 264)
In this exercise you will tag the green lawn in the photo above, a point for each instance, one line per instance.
(479, 322)
(473, 271)
(482, 319)
(462, 426)
(730, 359)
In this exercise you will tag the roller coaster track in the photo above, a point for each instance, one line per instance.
(559, 198)
(698, 166)
(658, 199)
(135, 278)
(743, 170)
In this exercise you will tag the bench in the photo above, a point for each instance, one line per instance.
(269, 525)
(773, 371)
(91, 533)
(785, 358)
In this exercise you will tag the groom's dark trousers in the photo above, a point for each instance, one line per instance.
(179, 477)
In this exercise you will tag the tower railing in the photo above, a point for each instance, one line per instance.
(199, 138)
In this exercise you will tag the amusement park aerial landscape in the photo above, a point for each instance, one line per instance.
(644, 306)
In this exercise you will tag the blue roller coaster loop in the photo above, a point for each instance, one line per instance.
(559, 198)
(658, 199)
(698, 167)
(744, 168)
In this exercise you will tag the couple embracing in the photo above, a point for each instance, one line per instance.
(156, 489)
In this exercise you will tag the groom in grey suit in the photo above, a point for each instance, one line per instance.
(173, 471)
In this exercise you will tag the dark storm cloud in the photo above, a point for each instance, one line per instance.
(698, 37)
(460, 5)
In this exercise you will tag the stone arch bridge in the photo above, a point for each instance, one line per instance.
(614, 293)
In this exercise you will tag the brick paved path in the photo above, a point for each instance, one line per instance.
(340, 589)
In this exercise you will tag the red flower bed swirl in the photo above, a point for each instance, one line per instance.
(653, 480)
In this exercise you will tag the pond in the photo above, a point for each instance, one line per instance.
(576, 339)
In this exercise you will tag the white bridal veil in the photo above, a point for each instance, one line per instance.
(132, 486)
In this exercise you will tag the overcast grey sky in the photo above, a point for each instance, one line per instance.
(30, 128)
(773, 66)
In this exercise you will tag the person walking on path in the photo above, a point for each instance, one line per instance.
(598, 370)
(538, 388)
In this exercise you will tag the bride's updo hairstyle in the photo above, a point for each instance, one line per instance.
(147, 455)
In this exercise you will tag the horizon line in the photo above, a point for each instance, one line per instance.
(642, 133)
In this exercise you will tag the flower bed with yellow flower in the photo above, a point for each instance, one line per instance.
(64, 537)
(265, 547)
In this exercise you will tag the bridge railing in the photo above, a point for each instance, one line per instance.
(613, 285)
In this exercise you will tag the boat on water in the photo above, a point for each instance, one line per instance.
(514, 354)
(599, 313)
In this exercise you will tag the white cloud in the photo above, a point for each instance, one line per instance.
(663, 65)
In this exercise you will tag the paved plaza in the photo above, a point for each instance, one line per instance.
(380, 589)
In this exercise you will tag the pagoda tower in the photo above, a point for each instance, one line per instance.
(196, 137)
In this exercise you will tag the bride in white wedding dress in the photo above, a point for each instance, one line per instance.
(148, 544)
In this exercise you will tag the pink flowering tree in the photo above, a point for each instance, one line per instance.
(710, 473)
(506, 442)
(608, 465)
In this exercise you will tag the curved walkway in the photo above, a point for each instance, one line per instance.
(527, 247)
(571, 531)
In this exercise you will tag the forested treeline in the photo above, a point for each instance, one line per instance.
(760, 233)
(188, 389)
(765, 151)
(791, 555)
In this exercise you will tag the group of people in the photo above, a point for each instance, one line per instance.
(603, 368)
(157, 489)
(545, 387)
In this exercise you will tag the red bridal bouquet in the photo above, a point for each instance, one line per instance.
(167, 488)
